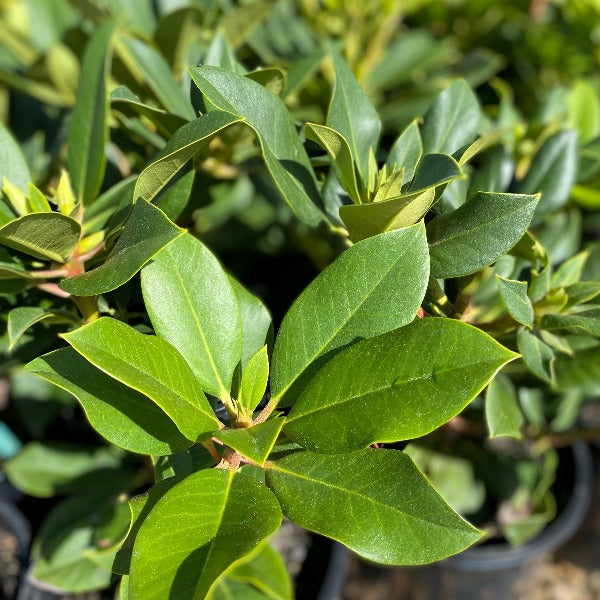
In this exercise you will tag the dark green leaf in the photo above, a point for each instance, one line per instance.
(434, 170)
(587, 321)
(478, 232)
(20, 319)
(375, 286)
(396, 386)
(581, 372)
(397, 517)
(537, 355)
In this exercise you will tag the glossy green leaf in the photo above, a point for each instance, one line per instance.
(396, 386)
(502, 412)
(49, 236)
(44, 469)
(254, 442)
(406, 151)
(156, 73)
(352, 114)
(283, 152)
(254, 381)
(174, 198)
(552, 172)
(13, 166)
(256, 321)
(337, 147)
(397, 517)
(122, 415)
(514, 297)
(375, 286)
(587, 321)
(20, 319)
(452, 120)
(146, 233)
(478, 232)
(88, 129)
(367, 220)
(185, 279)
(260, 576)
(184, 145)
(149, 365)
(196, 530)
(434, 170)
(537, 355)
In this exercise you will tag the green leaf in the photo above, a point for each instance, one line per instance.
(587, 321)
(254, 442)
(397, 517)
(88, 129)
(204, 523)
(552, 172)
(367, 220)
(48, 236)
(434, 170)
(20, 319)
(184, 145)
(478, 232)
(37, 200)
(146, 233)
(254, 381)
(583, 109)
(581, 372)
(502, 412)
(406, 151)
(267, 115)
(256, 321)
(174, 198)
(337, 147)
(352, 114)
(122, 415)
(570, 271)
(375, 286)
(396, 386)
(264, 571)
(47, 469)
(77, 543)
(13, 166)
(185, 279)
(514, 297)
(578, 293)
(452, 120)
(154, 71)
(149, 365)
(537, 355)
(115, 200)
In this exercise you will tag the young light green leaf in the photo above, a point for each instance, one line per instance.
(146, 233)
(514, 297)
(537, 355)
(478, 232)
(88, 129)
(13, 166)
(16, 198)
(367, 220)
(150, 67)
(406, 151)
(64, 197)
(337, 147)
(502, 412)
(149, 365)
(344, 303)
(583, 109)
(187, 280)
(119, 413)
(254, 381)
(397, 517)
(48, 236)
(434, 170)
(352, 114)
(20, 319)
(45, 469)
(254, 442)
(256, 321)
(396, 386)
(267, 115)
(570, 271)
(184, 145)
(37, 200)
(452, 120)
(204, 523)
(552, 172)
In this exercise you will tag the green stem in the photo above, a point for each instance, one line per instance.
(88, 307)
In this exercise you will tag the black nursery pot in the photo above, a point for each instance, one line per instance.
(14, 527)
